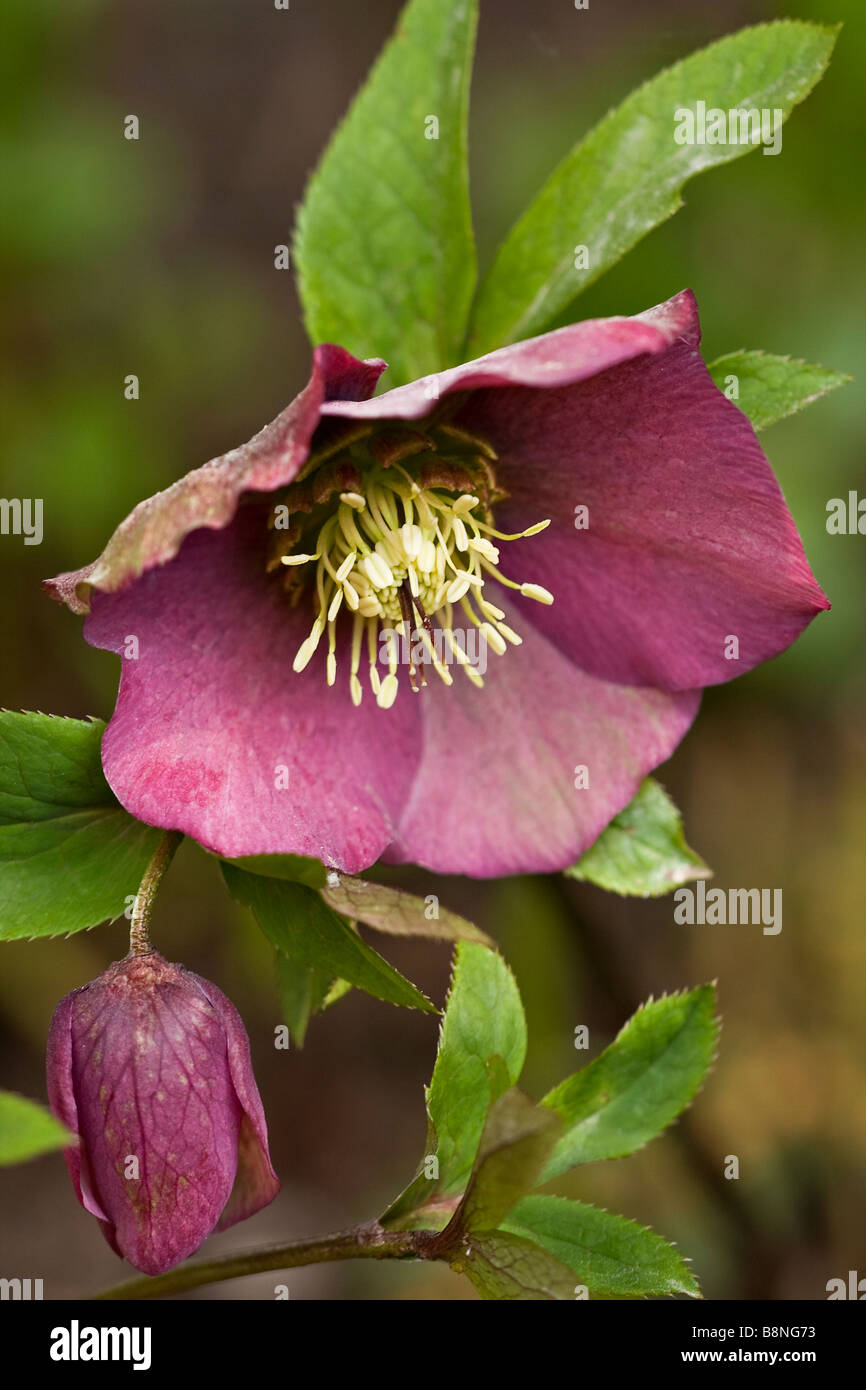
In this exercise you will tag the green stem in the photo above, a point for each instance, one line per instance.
(368, 1242)
(139, 938)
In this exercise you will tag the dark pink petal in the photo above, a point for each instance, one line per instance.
(214, 734)
(152, 1088)
(256, 1183)
(208, 497)
(495, 790)
(61, 1098)
(567, 355)
(689, 541)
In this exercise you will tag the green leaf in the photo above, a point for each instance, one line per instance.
(509, 1267)
(612, 1257)
(303, 990)
(295, 867)
(643, 851)
(27, 1129)
(295, 919)
(769, 387)
(482, 1047)
(383, 243)
(517, 1141)
(396, 912)
(639, 1084)
(483, 1021)
(70, 856)
(339, 989)
(627, 175)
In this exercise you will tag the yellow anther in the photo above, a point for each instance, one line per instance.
(377, 571)
(484, 547)
(387, 691)
(493, 638)
(510, 634)
(427, 557)
(490, 609)
(354, 500)
(347, 566)
(413, 539)
(458, 587)
(304, 654)
(465, 503)
(541, 595)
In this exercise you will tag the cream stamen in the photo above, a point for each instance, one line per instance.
(399, 556)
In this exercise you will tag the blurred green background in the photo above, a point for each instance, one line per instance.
(156, 258)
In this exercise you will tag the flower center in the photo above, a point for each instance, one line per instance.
(393, 527)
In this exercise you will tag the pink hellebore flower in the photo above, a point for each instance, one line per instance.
(150, 1066)
(265, 708)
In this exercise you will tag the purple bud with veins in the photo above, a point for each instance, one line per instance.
(150, 1066)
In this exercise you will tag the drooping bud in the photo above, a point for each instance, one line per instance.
(150, 1066)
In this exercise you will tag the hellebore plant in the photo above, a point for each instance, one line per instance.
(356, 515)
(455, 624)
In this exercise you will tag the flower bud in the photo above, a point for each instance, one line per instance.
(150, 1066)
